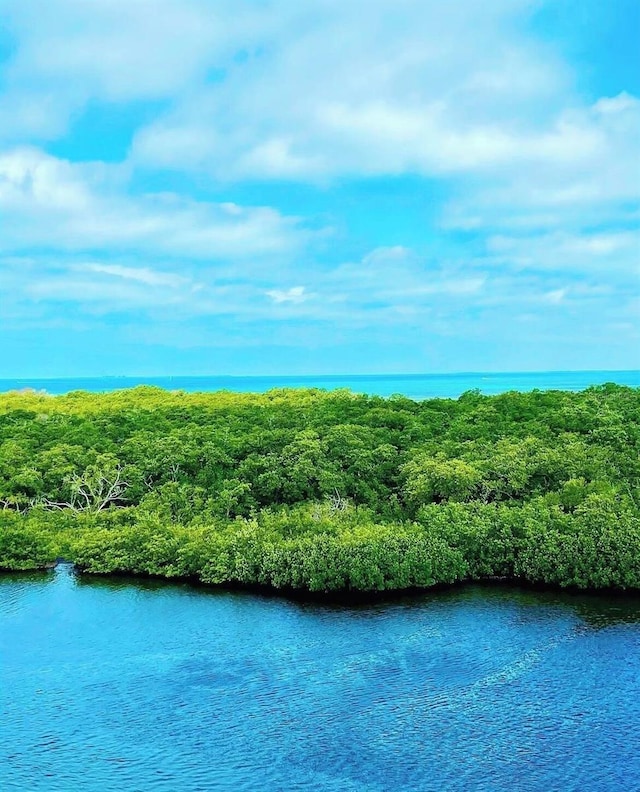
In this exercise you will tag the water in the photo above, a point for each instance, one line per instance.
(415, 386)
(117, 685)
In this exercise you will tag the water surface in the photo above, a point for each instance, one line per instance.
(414, 386)
(117, 685)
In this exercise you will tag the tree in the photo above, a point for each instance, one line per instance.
(434, 480)
(98, 487)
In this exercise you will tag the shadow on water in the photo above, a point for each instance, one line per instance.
(596, 609)
(29, 576)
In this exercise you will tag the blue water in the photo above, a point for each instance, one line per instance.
(415, 386)
(117, 685)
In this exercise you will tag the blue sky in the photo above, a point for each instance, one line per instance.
(274, 187)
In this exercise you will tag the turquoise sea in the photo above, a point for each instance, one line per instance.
(414, 386)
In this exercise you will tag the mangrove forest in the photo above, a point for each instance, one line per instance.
(325, 491)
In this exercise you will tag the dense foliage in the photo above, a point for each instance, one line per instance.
(325, 491)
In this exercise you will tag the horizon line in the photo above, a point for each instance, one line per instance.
(316, 375)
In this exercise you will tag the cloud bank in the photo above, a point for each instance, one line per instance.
(203, 171)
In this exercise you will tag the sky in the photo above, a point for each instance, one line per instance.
(328, 186)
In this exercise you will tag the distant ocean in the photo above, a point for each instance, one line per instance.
(414, 386)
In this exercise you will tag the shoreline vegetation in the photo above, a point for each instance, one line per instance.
(316, 491)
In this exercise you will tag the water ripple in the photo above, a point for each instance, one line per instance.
(150, 687)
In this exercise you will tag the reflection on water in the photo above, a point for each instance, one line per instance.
(114, 684)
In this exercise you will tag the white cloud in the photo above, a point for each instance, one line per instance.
(69, 52)
(137, 274)
(319, 90)
(556, 296)
(397, 275)
(296, 294)
(330, 91)
(37, 283)
(616, 104)
(459, 93)
(390, 285)
(609, 253)
(598, 182)
(112, 295)
(48, 202)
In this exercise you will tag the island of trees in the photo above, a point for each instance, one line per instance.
(325, 491)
